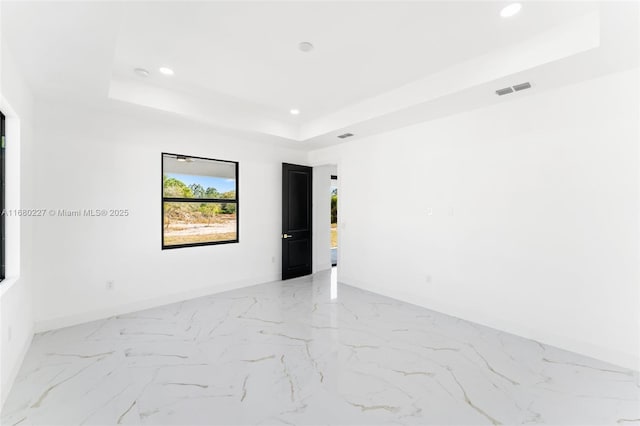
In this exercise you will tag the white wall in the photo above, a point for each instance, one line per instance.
(91, 159)
(16, 318)
(522, 216)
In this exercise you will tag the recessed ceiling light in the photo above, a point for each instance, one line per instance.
(166, 71)
(305, 46)
(510, 10)
(141, 72)
(294, 111)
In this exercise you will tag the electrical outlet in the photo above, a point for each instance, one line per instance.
(110, 285)
(273, 259)
(429, 211)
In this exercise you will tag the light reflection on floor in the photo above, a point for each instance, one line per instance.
(334, 283)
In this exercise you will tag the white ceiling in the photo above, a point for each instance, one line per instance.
(249, 50)
(237, 64)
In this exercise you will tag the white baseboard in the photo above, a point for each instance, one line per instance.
(621, 359)
(4, 393)
(70, 320)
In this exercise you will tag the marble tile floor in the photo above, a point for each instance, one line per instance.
(308, 352)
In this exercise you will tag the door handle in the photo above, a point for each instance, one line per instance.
(287, 236)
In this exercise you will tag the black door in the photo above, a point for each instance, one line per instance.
(296, 220)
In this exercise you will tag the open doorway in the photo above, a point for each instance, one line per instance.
(334, 220)
(325, 230)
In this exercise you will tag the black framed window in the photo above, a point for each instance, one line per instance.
(199, 201)
(3, 245)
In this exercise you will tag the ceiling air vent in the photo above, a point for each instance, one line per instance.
(346, 135)
(516, 88)
(519, 87)
(504, 91)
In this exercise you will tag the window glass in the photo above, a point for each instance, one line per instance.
(200, 201)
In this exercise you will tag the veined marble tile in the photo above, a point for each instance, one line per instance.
(308, 351)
